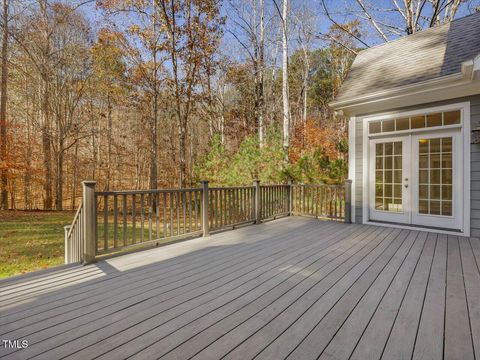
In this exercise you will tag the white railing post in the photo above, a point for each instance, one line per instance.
(258, 204)
(205, 208)
(89, 223)
(68, 245)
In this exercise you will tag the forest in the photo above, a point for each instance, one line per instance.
(139, 94)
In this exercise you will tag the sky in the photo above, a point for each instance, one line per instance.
(341, 11)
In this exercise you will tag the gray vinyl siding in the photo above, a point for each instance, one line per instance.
(475, 170)
(475, 160)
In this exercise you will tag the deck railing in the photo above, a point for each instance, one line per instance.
(230, 206)
(321, 201)
(130, 218)
(74, 238)
(274, 201)
(112, 221)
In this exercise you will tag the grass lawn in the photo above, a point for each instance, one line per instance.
(31, 240)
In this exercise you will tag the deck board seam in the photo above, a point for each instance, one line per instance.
(379, 300)
(333, 270)
(240, 262)
(282, 310)
(169, 283)
(365, 228)
(353, 284)
(402, 302)
(35, 293)
(202, 255)
(202, 261)
(425, 296)
(399, 305)
(466, 297)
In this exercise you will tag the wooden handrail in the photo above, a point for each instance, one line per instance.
(109, 221)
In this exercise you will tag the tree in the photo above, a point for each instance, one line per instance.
(248, 29)
(3, 109)
(192, 30)
(141, 43)
(108, 68)
(396, 18)
(285, 93)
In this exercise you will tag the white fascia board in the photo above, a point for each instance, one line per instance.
(470, 73)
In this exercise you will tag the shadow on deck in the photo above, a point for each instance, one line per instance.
(294, 288)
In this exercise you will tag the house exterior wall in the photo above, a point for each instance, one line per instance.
(475, 159)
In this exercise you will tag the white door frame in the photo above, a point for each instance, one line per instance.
(455, 221)
(464, 127)
(395, 217)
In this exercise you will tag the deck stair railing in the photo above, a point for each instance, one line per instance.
(113, 221)
(74, 238)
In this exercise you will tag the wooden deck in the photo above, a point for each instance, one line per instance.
(295, 288)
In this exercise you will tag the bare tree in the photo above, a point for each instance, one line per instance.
(401, 17)
(249, 31)
(3, 109)
(283, 14)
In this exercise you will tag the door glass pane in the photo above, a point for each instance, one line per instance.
(388, 176)
(435, 176)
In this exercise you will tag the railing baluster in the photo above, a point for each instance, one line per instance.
(124, 215)
(235, 205)
(134, 220)
(142, 217)
(115, 221)
(189, 211)
(184, 205)
(215, 209)
(336, 204)
(227, 207)
(164, 213)
(170, 196)
(105, 222)
(244, 210)
(150, 211)
(195, 197)
(157, 214)
(177, 206)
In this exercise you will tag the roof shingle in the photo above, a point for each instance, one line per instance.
(426, 55)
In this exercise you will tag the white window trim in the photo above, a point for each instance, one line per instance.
(466, 135)
(351, 162)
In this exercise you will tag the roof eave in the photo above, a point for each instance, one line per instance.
(470, 71)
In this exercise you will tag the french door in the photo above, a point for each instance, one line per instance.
(389, 174)
(417, 179)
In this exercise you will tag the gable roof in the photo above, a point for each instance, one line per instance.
(430, 54)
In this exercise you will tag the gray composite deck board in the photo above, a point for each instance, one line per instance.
(458, 339)
(102, 304)
(215, 343)
(294, 288)
(429, 341)
(213, 310)
(401, 340)
(375, 335)
(472, 279)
